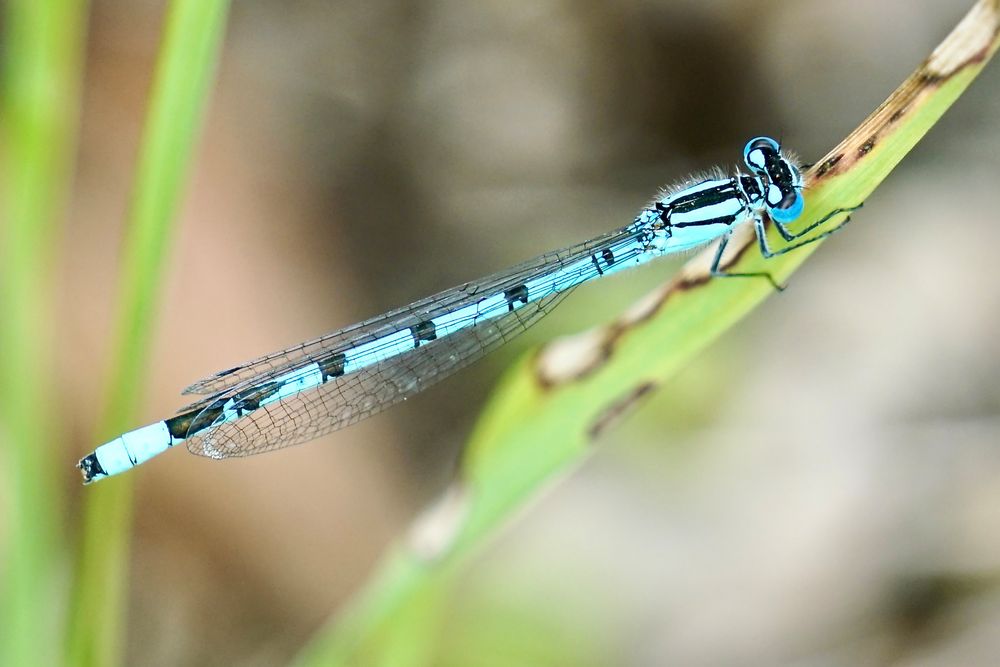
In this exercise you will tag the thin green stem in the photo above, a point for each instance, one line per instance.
(185, 70)
(39, 109)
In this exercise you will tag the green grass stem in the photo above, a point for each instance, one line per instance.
(42, 64)
(185, 70)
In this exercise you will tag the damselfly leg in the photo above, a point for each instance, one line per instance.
(765, 249)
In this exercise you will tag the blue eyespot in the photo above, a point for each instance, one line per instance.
(753, 152)
(789, 209)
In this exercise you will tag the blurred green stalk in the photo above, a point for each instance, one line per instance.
(184, 74)
(42, 63)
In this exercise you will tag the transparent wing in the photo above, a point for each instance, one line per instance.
(279, 362)
(353, 396)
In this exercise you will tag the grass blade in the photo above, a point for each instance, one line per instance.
(38, 120)
(185, 70)
(550, 407)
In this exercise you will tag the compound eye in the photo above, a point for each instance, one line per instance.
(756, 151)
(789, 208)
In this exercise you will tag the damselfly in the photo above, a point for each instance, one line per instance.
(325, 384)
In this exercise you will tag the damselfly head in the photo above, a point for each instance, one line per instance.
(779, 175)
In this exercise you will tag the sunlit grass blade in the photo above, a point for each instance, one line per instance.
(184, 74)
(549, 408)
(42, 50)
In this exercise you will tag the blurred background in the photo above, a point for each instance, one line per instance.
(821, 488)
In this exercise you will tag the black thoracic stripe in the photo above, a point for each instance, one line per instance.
(702, 198)
(332, 367)
(724, 220)
(608, 256)
(519, 293)
(597, 265)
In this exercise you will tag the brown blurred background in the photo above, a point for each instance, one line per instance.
(820, 488)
